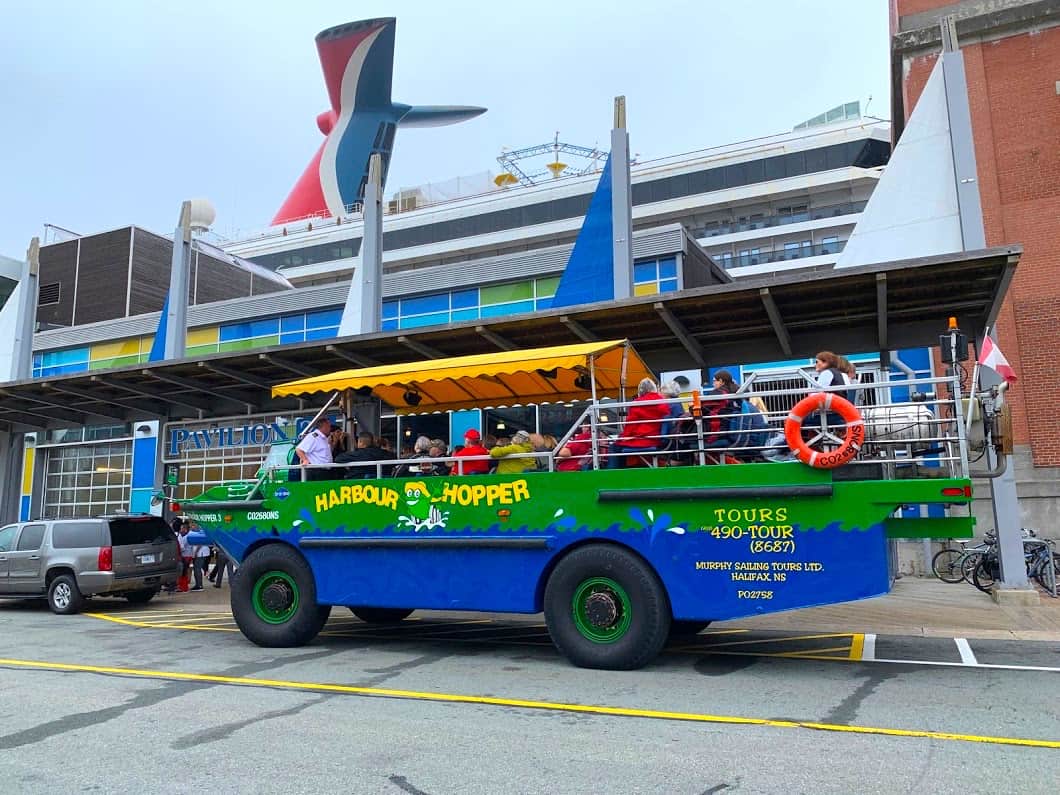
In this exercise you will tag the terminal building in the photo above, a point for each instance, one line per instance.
(758, 207)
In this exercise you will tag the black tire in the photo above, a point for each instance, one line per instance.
(142, 597)
(64, 597)
(946, 565)
(971, 560)
(986, 573)
(1046, 569)
(605, 608)
(685, 629)
(274, 598)
(381, 615)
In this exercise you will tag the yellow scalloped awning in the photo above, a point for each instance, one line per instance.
(539, 375)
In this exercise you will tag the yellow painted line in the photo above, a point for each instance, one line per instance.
(815, 652)
(147, 625)
(375, 633)
(857, 646)
(812, 654)
(721, 632)
(553, 706)
(757, 641)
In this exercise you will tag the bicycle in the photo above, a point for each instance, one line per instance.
(1043, 565)
(956, 565)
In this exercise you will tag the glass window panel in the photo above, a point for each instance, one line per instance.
(645, 272)
(296, 336)
(501, 293)
(265, 328)
(547, 287)
(497, 310)
(321, 333)
(425, 320)
(424, 304)
(816, 160)
(390, 309)
(668, 268)
(545, 303)
(329, 317)
(465, 314)
(292, 323)
(234, 331)
(390, 325)
(667, 285)
(464, 299)
(651, 288)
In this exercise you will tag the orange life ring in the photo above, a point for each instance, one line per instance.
(825, 401)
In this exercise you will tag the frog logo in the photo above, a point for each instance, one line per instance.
(420, 511)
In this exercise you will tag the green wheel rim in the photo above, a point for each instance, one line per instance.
(275, 597)
(602, 610)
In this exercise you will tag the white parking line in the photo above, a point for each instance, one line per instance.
(868, 647)
(967, 657)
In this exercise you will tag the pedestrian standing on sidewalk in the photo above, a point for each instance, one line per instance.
(201, 553)
(187, 554)
(223, 563)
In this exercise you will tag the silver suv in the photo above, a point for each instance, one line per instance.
(67, 560)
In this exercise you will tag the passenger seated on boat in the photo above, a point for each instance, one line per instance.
(508, 463)
(365, 450)
(576, 454)
(542, 443)
(718, 415)
(421, 449)
(750, 431)
(472, 447)
(640, 434)
(672, 426)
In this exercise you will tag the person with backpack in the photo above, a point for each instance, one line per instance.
(720, 416)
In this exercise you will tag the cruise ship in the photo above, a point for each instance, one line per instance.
(758, 206)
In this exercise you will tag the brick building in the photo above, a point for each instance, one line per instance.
(1012, 62)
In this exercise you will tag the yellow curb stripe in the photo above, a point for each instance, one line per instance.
(757, 641)
(857, 646)
(457, 698)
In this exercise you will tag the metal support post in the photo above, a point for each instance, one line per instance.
(26, 317)
(179, 278)
(621, 205)
(372, 249)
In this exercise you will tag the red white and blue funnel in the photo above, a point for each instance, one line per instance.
(358, 63)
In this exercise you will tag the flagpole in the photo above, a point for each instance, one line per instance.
(972, 389)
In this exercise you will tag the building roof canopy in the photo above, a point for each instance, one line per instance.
(557, 374)
(788, 315)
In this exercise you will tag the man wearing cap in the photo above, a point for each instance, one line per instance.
(509, 464)
(472, 447)
(315, 448)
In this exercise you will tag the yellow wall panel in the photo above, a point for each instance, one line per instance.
(110, 350)
(27, 470)
(646, 289)
(202, 336)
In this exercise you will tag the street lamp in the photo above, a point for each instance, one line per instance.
(196, 215)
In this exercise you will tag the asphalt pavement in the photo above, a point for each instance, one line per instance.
(171, 698)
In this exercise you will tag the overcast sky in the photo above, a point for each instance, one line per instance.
(113, 111)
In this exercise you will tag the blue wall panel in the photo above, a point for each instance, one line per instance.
(143, 463)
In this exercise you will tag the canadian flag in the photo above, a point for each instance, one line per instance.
(992, 357)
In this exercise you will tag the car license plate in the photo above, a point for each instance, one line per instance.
(148, 558)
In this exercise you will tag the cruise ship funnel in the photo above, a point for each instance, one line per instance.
(358, 63)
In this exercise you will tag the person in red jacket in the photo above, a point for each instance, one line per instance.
(576, 454)
(643, 425)
(472, 446)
